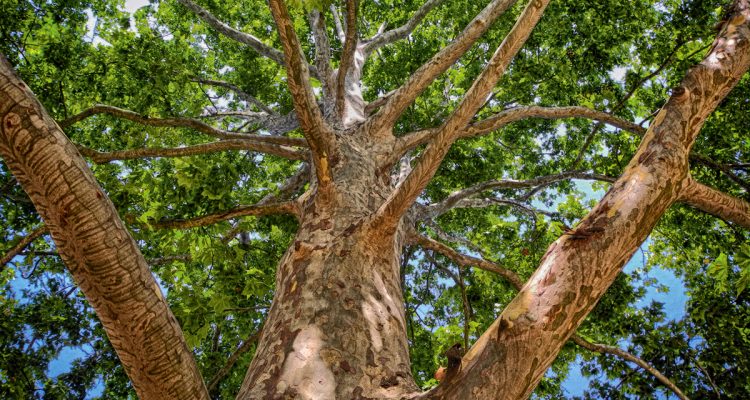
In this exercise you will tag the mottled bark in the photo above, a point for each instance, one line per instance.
(714, 202)
(512, 355)
(95, 246)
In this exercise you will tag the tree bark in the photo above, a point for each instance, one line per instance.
(512, 355)
(97, 249)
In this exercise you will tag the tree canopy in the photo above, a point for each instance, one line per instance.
(160, 102)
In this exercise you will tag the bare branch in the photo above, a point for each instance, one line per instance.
(337, 23)
(603, 348)
(438, 64)
(242, 37)
(464, 260)
(506, 117)
(179, 122)
(393, 35)
(451, 201)
(241, 93)
(22, 243)
(289, 207)
(714, 202)
(317, 132)
(405, 194)
(347, 55)
(206, 148)
(241, 350)
(377, 103)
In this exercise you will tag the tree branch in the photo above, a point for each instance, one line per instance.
(241, 350)
(206, 148)
(464, 260)
(337, 23)
(95, 246)
(605, 349)
(347, 55)
(288, 207)
(393, 35)
(714, 202)
(439, 63)
(179, 122)
(467, 261)
(449, 202)
(322, 53)
(405, 194)
(724, 169)
(242, 37)
(22, 243)
(241, 93)
(319, 136)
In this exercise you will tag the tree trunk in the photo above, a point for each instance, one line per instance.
(337, 329)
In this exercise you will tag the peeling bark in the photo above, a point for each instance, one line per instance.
(95, 246)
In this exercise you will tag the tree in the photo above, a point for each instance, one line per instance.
(364, 170)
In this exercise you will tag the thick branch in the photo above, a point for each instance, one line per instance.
(402, 31)
(206, 148)
(603, 348)
(318, 134)
(467, 261)
(438, 64)
(242, 37)
(450, 201)
(96, 247)
(407, 192)
(241, 350)
(506, 117)
(289, 207)
(22, 243)
(178, 122)
(579, 267)
(322, 52)
(714, 202)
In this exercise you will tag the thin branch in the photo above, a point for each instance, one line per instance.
(317, 132)
(337, 23)
(464, 260)
(393, 35)
(724, 169)
(206, 148)
(241, 350)
(377, 103)
(450, 201)
(22, 243)
(439, 63)
(590, 138)
(168, 259)
(240, 93)
(605, 349)
(178, 122)
(405, 194)
(347, 55)
(505, 117)
(289, 207)
(714, 202)
(242, 37)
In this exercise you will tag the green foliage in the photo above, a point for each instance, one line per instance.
(220, 286)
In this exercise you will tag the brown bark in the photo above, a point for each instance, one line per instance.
(714, 202)
(22, 243)
(95, 246)
(511, 356)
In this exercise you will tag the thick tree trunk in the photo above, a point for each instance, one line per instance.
(336, 329)
(95, 246)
